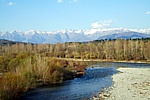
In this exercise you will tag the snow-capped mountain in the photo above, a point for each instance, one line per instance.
(65, 35)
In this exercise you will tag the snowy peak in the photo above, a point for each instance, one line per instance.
(65, 35)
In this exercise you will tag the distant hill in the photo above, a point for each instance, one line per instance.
(5, 42)
(125, 35)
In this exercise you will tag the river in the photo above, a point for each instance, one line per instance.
(80, 88)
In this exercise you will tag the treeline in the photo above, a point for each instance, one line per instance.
(132, 49)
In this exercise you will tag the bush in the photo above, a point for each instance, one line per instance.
(13, 64)
(56, 77)
(24, 72)
(12, 86)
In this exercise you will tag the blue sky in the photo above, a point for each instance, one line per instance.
(51, 15)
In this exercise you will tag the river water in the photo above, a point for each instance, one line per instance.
(80, 88)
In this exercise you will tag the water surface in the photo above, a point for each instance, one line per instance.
(80, 88)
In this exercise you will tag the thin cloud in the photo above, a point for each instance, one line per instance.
(108, 21)
(104, 24)
(75, 0)
(59, 1)
(11, 3)
(148, 12)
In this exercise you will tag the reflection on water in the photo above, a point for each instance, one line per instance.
(79, 88)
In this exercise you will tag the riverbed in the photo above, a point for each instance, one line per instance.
(130, 84)
(98, 75)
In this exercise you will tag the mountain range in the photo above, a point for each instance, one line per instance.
(62, 36)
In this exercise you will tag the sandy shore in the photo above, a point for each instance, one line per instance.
(129, 84)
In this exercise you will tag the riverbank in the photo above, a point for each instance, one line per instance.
(129, 84)
(26, 71)
(105, 60)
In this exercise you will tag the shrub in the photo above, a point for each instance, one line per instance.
(12, 86)
(56, 77)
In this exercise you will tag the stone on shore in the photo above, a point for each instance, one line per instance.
(131, 84)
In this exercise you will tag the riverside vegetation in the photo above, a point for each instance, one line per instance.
(26, 66)
(23, 71)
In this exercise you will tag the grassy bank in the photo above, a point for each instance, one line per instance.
(23, 71)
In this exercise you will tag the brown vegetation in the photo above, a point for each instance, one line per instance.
(24, 71)
(137, 49)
